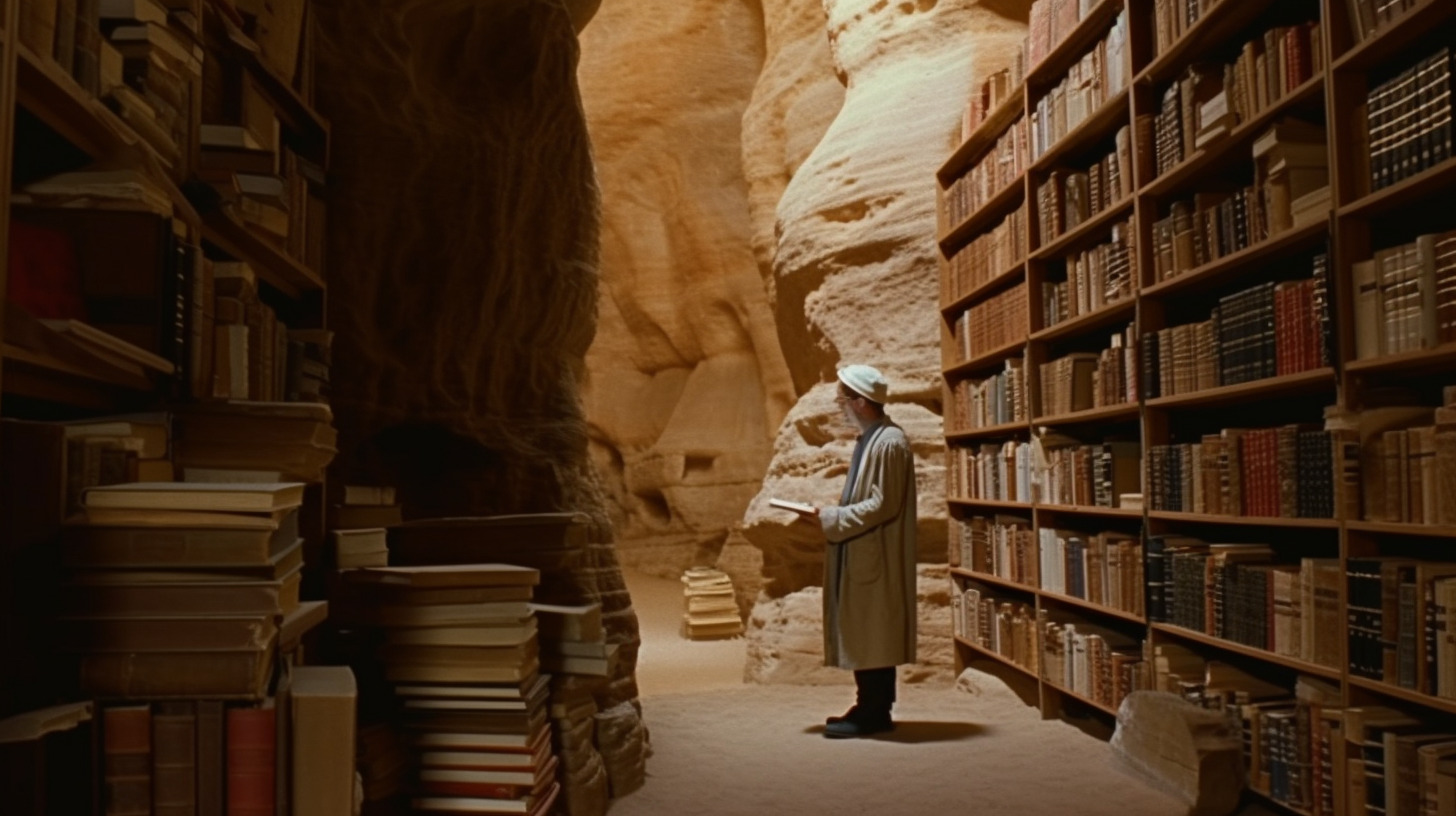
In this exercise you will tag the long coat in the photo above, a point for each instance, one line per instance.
(869, 569)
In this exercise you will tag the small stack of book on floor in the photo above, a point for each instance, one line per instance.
(181, 588)
(712, 611)
(460, 648)
(583, 772)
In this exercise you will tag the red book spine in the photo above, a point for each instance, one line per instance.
(127, 760)
(251, 749)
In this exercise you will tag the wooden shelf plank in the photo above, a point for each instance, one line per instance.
(1005, 583)
(1439, 359)
(1075, 696)
(1106, 413)
(1245, 521)
(1239, 263)
(1394, 40)
(993, 504)
(1088, 130)
(1409, 695)
(1064, 54)
(1312, 381)
(982, 361)
(1420, 189)
(1249, 651)
(271, 263)
(41, 376)
(1004, 429)
(1399, 529)
(984, 137)
(1093, 607)
(997, 207)
(1000, 281)
(1240, 137)
(1100, 222)
(982, 650)
(1111, 313)
(1089, 510)
(1214, 28)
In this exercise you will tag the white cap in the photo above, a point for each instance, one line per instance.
(866, 381)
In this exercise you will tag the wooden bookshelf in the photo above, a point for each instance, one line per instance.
(1064, 54)
(981, 361)
(1305, 382)
(1213, 30)
(1000, 281)
(985, 136)
(1105, 413)
(1393, 41)
(995, 580)
(993, 504)
(1080, 603)
(1385, 528)
(1237, 265)
(1082, 233)
(1002, 430)
(275, 266)
(997, 656)
(1439, 359)
(995, 209)
(1443, 704)
(1107, 315)
(1089, 510)
(1101, 123)
(1079, 698)
(1429, 184)
(1249, 651)
(1245, 521)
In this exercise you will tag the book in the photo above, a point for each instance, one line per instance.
(135, 537)
(238, 674)
(368, 495)
(127, 759)
(569, 621)
(174, 759)
(250, 749)
(164, 634)
(487, 741)
(449, 575)
(793, 506)
(323, 703)
(241, 497)
(491, 635)
(531, 804)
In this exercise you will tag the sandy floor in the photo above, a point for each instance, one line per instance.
(721, 748)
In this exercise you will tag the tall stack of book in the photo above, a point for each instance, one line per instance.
(281, 440)
(461, 649)
(711, 611)
(149, 67)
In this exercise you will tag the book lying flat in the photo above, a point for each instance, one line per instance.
(239, 497)
(164, 634)
(480, 740)
(530, 804)
(509, 635)
(178, 541)
(449, 575)
(797, 507)
(120, 594)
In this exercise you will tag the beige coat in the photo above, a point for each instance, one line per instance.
(869, 569)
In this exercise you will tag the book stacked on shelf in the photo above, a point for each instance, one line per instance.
(1069, 197)
(363, 546)
(1091, 661)
(996, 400)
(1405, 297)
(1371, 17)
(1398, 610)
(294, 439)
(997, 170)
(161, 65)
(1050, 22)
(116, 449)
(1101, 74)
(710, 609)
(1282, 472)
(1095, 277)
(1084, 380)
(1399, 762)
(995, 252)
(180, 589)
(462, 651)
(1087, 475)
(990, 472)
(1002, 546)
(993, 324)
(1292, 171)
(1103, 568)
(1408, 118)
(1173, 18)
(993, 91)
(1007, 628)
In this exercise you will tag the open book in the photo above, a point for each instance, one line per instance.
(797, 507)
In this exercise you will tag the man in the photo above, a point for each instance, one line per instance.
(869, 569)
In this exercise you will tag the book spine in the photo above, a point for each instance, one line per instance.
(127, 760)
(250, 740)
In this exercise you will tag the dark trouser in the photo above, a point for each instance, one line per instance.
(875, 689)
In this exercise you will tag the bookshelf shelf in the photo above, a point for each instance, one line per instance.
(985, 135)
(1089, 510)
(1304, 382)
(1004, 429)
(1096, 319)
(1001, 280)
(1079, 234)
(1392, 528)
(1399, 36)
(1105, 413)
(1437, 359)
(1239, 264)
(1409, 695)
(992, 504)
(1090, 129)
(41, 376)
(1240, 137)
(1245, 521)
(990, 358)
(997, 656)
(1214, 28)
(1249, 651)
(1282, 805)
(1005, 583)
(271, 263)
(1079, 698)
(1061, 56)
(995, 208)
(1070, 600)
(58, 101)
(1436, 181)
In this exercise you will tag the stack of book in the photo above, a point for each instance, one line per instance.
(573, 640)
(384, 763)
(113, 450)
(151, 69)
(182, 588)
(460, 647)
(1293, 172)
(364, 546)
(288, 440)
(573, 731)
(1405, 296)
(712, 611)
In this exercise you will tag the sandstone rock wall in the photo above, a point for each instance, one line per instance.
(687, 381)
(462, 268)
